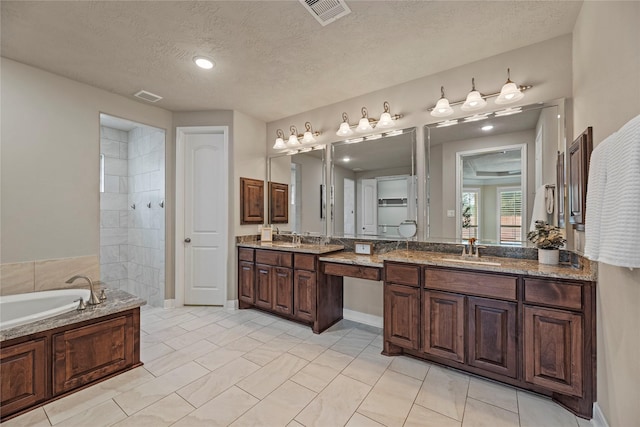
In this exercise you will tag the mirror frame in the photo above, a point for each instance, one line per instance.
(414, 169)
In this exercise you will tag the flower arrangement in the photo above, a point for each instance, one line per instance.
(546, 236)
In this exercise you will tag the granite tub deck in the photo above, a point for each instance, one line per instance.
(117, 301)
(507, 265)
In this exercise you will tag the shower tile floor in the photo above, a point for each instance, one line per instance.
(209, 366)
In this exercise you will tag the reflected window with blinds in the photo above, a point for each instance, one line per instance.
(470, 210)
(510, 219)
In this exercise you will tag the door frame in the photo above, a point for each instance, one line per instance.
(181, 133)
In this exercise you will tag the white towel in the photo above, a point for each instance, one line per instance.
(539, 212)
(619, 225)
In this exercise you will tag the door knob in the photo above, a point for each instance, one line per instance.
(187, 240)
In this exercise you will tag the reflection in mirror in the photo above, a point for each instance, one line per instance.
(475, 186)
(374, 184)
(304, 174)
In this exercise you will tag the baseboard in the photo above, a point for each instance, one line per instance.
(232, 304)
(170, 303)
(598, 417)
(367, 319)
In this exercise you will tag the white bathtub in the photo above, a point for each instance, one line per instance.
(19, 309)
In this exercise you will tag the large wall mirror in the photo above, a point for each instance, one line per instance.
(374, 184)
(304, 173)
(490, 178)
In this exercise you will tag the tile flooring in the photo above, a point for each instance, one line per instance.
(208, 366)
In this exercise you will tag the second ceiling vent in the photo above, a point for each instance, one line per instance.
(326, 11)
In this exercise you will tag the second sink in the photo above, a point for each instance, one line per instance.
(468, 261)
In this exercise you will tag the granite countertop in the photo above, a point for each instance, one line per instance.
(506, 265)
(289, 247)
(374, 260)
(116, 302)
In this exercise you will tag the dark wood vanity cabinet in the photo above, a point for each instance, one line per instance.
(290, 285)
(531, 332)
(23, 370)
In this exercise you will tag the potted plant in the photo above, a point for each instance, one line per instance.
(548, 239)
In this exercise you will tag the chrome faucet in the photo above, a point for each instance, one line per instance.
(93, 298)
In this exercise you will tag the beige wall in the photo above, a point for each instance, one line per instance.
(50, 162)
(606, 86)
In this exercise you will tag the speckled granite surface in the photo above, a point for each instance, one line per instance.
(286, 246)
(507, 265)
(116, 302)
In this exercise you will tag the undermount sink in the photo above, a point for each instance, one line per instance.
(468, 261)
(286, 245)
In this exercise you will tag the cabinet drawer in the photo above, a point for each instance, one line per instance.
(277, 258)
(360, 272)
(549, 292)
(472, 283)
(304, 262)
(404, 274)
(245, 254)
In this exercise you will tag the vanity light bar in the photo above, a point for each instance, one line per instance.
(447, 123)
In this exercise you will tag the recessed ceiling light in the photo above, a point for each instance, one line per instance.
(346, 159)
(487, 128)
(203, 62)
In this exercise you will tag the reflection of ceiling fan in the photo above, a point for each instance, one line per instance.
(499, 173)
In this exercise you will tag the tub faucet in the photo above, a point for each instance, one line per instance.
(93, 298)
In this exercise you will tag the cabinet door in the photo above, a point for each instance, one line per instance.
(553, 349)
(443, 325)
(264, 288)
(304, 295)
(402, 316)
(283, 290)
(23, 371)
(91, 352)
(492, 340)
(246, 282)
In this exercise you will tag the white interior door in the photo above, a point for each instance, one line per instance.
(349, 206)
(205, 219)
(369, 206)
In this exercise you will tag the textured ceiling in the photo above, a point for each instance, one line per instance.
(272, 58)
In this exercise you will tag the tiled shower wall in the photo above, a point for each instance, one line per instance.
(114, 216)
(146, 222)
(132, 240)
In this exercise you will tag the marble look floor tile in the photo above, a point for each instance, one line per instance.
(225, 337)
(294, 423)
(167, 323)
(82, 400)
(220, 411)
(105, 414)
(184, 340)
(162, 413)
(444, 391)
(315, 376)
(363, 334)
(209, 386)
(494, 394)
(265, 319)
(218, 357)
(324, 339)
(207, 320)
(351, 346)
(307, 351)
(34, 418)
(334, 360)
(161, 336)
(152, 352)
(278, 408)
(272, 376)
(378, 342)
(262, 356)
(409, 366)
(335, 405)
(423, 417)
(391, 399)
(150, 392)
(164, 364)
(537, 411)
(583, 423)
(368, 367)
(480, 414)
(359, 420)
(245, 344)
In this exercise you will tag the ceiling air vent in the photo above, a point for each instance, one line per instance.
(326, 11)
(148, 96)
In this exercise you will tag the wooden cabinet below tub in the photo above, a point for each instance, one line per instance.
(535, 333)
(23, 369)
